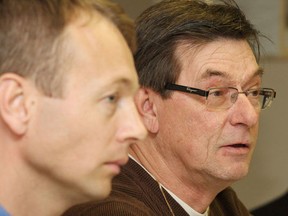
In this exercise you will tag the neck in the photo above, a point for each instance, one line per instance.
(25, 193)
(197, 190)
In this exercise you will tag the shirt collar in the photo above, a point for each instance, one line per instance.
(3, 211)
(184, 205)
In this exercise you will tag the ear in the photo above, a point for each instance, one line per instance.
(147, 109)
(13, 109)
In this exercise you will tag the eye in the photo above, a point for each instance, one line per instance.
(218, 92)
(113, 98)
(110, 103)
(253, 93)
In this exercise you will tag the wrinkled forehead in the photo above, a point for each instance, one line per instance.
(233, 60)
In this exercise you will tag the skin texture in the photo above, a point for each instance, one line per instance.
(192, 143)
(67, 150)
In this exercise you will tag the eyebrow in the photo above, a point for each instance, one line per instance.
(210, 73)
(123, 83)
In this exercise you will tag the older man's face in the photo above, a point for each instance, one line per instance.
(204, 142)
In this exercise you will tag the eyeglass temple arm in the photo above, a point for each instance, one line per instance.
(187, 89)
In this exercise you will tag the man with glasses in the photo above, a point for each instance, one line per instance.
(200, 100)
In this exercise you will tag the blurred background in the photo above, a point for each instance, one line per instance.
(268, 176)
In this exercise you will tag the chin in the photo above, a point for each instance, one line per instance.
(232, 173)
(237, 174)
(103, 189)
(104, 194)
(95, 190)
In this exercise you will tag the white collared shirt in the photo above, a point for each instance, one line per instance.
(184, 205)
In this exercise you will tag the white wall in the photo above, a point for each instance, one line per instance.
(266, 15)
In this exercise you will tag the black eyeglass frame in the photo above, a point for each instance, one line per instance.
(266, 92)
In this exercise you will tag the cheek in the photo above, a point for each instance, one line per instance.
(189, 130)
(204, 131)
(192, 127)
(204, 126)
(59, 135)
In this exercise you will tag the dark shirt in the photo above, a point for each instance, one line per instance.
(277, 207)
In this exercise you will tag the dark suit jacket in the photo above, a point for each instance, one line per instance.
(277, 207)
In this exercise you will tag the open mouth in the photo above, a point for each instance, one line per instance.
(239, 145)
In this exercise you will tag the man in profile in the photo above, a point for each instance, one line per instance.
(67, 115)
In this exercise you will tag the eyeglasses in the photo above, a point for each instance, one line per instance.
(224, 97)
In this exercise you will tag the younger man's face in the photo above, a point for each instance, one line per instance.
(81, 139)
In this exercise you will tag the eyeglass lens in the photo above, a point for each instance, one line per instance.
(221, 98)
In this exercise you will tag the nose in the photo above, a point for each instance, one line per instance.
(132, 128)
(243, 112)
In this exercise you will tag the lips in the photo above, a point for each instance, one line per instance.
(236, 149)
(122, 162)
(119, 162)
